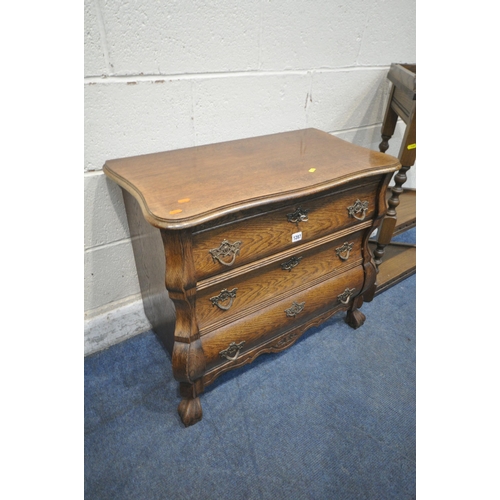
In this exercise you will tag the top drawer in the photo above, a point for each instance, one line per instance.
(225, 247)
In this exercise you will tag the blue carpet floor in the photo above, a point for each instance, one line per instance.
(333, 417)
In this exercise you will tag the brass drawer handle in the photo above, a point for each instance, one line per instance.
(344, 251)
(224, 296)
(290, 264)
(346, 295)
(299, 215)
(358, 207)
(295, 309)
(233, 351)
(226, 249)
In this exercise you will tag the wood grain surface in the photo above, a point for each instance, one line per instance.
(271, 321)
(268, 282)
(185, 187)
(267, 234)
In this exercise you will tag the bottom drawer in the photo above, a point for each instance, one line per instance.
(226, 344)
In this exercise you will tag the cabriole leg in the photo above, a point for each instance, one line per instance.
(355, 318)
(190, 407)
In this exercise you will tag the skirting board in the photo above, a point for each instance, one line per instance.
(105, 330)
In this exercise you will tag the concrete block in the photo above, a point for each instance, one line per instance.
(249, 106)
(178, 37)
(110, 275)
(390, 35)
(94, 60)
(311, 35)
(347, 99)
(125, 119)
(105, 220)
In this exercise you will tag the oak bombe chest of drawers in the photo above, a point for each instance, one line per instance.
(262, 239)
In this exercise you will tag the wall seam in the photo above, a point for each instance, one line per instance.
(110, 306)
(92, 80)
(259, 60)
(111, 244)
(353, 129)
(309, 96)
(102, 32)
(193, 112)
(368, 18)
(92, 173)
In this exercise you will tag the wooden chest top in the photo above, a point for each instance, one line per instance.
(185, 187)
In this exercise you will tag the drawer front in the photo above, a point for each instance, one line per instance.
(226, 247)
(220, 303)
(227, 343)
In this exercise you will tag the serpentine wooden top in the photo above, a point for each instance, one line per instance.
(182, 188)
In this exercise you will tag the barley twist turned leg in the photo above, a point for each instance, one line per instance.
(389, 222)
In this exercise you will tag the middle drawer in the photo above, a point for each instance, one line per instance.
(223, 302)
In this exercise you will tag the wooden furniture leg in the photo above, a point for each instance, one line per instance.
(188, 360)
(190, 407)
(407, 158)
(389, 124)
(355, 318)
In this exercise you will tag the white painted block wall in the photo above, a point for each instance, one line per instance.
(173, 74)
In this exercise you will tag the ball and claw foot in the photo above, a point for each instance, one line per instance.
(355, 318)
(190, 411)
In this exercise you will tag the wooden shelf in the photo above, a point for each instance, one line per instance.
(406, 210)
(400, 262)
